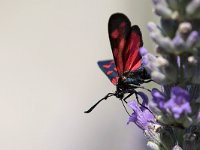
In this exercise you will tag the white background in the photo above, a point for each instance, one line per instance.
(49, 75)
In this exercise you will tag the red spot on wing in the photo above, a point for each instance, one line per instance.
(114, 80)
(122, 25)
(115, 34)
(122, 44)
(109, 72)
(107, 66)
(115, 69)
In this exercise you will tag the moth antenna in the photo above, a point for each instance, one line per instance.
(104, 98)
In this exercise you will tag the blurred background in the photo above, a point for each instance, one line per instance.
(49, 75)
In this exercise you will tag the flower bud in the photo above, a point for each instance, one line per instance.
(192, 39)
(152, 145)
(193, 7)
(184, 29)
(176, 147)
(192, 60)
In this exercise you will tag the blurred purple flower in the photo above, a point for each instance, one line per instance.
(178, 42)
(192, 38)
(179, 61)
(141, 115)
(179, 102)
(143, 51)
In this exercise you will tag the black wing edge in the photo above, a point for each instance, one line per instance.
(136, 28)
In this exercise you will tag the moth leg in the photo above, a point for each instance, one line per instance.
(129, 95)
(124, 100)
(136, 95)
(104, 98)
(125, 107)
(138, 86)
(147, 81)
(141, 87)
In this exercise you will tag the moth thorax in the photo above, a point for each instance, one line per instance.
(124, 78)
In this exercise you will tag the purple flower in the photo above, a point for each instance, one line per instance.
(179, 102)
(141, 116)
(158, 98)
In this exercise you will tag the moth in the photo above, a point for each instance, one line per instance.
(126, 71)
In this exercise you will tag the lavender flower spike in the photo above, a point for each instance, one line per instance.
(174, 120)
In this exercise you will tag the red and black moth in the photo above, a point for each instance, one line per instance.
(126, 71)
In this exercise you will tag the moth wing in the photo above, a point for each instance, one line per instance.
(119, 27)
(131, 56)
(110, 70)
